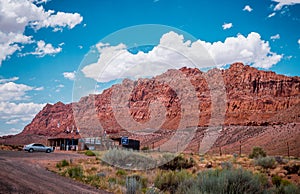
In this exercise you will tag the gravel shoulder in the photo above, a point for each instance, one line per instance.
(23, 172)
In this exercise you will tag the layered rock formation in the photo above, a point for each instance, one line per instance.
(252, 97)
(238, 96)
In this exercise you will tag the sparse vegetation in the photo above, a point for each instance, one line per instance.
(62, 163)
(223, 181)
(145, 148)
(75, 172)
(266, 162)
(133, 185)
(257, 152)
(292, 169)
(121, 172)
(128, 158)
(170, 180)
(185, 173)
(284, 186)
(89, 153)
(179, 162)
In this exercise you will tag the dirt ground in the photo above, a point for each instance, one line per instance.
(23, 172)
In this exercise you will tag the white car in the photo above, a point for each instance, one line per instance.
(37, 147)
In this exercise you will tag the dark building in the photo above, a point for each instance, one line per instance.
(129, 143)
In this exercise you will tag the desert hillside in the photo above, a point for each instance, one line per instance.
(261, 101)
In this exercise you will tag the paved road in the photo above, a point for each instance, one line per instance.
(23, 172)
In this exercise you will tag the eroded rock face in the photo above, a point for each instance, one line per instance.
(252, 97)
(51, 120)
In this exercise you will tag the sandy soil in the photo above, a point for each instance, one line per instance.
(23, 172)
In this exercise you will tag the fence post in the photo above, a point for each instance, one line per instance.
(240, 152)
(288, 148)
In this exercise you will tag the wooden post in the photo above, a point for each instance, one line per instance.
(220, 150)
(240, 152)
(288, 148)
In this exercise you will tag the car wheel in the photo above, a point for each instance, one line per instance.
(48, 151)
(30, 150)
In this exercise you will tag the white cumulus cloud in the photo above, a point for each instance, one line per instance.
(247, 8)
(117, 62)
(249, 49)
(5, 80)
(12, 91)
(45, 49)
(16, 15)
(69, 75)
(12, 110)
(281, 3)
(275, 37)
(18, 112)
(226, 26)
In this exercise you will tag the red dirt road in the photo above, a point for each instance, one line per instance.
(23, 172)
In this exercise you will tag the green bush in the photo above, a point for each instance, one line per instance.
(170, 180)
(179, 162)
(62, 163)
(75, 172)
(276, 180)
(257, 152)
(89, 153)
(121, 172)
(266, 162)
(221, 182)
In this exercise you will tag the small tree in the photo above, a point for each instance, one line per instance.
(257, 152)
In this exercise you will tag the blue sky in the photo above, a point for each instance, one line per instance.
(45, 44)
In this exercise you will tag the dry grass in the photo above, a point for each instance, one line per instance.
(111, 180)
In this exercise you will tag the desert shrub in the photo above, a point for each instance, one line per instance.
(153, 190)
(257, 152)
(280, 160)
(133, 184)
(96, 181)
(276, 180)
(128, 159)
(286, 189)
(266, 162)
(226, 165)
(179, 162)
(290, 189)
(93, 168)
(121, 172)
(293, 169)
(145, 148)
(62, 163)
(221, 182)
(112, 180)
(170, 180)
(75, 172)
(89, 153)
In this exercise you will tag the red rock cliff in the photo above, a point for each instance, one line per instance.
(252, 97)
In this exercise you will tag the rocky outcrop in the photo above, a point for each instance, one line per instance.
(52, 120)
(251, 97)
